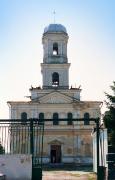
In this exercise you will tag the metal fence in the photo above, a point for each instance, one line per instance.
(22, 137)
(26, 137)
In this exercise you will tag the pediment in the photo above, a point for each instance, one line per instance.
(55, 142)
(55, 98)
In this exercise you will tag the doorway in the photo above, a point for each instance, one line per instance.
(55, 153)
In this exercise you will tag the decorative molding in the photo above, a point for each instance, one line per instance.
(55, 98)
(55, 142)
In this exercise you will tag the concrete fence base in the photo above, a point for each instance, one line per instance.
(15, 167)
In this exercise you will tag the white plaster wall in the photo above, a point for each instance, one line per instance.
(63, 76)
(83, 160)
(51, 38)
(16, 167)
(103, 150)
(67, 159)
(103, 147)
(77, 95)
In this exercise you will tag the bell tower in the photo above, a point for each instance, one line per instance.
(55, 66)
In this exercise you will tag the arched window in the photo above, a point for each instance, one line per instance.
(24, 117)
(69, 117)
(41, 117)
(55, 79)
(55, 119)
(86, 119)
(55, 49)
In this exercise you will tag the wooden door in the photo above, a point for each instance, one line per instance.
(55, 153)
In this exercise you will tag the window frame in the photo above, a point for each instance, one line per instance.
(55, 49)
(55, 79)
(86, 118)
(69, 117)
(41, 119)
(24, 118)
(55, 118)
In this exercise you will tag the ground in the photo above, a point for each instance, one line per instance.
(69, 174)
(66, 175)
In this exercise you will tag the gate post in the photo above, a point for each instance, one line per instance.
(31, 137)
(31, 143)
(97, 139)
(36, 170)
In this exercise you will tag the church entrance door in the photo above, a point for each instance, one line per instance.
(55, 154)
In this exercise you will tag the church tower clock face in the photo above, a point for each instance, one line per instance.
(55, 66)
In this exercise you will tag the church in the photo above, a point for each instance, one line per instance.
(64, 141)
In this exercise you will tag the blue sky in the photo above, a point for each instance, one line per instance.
(91, 48)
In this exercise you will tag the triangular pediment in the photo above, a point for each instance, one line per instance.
(55, 142)
(55, 98)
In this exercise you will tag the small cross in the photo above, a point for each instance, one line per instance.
(54, 15)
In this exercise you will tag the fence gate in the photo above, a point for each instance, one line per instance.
(23, 137)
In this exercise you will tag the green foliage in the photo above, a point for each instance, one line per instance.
(113, 87)
(110, 97)
(109, 117)
(2, 150)
(113, 138)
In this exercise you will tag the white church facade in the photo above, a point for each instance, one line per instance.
(64, 141)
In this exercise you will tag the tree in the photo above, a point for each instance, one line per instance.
(109, 116)
(2, 150)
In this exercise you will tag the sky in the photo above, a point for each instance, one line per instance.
(91, 47)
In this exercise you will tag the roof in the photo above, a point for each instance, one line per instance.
(55, 28)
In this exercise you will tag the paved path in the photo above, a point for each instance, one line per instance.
(67, 175)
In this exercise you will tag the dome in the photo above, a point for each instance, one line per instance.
(55, 28)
